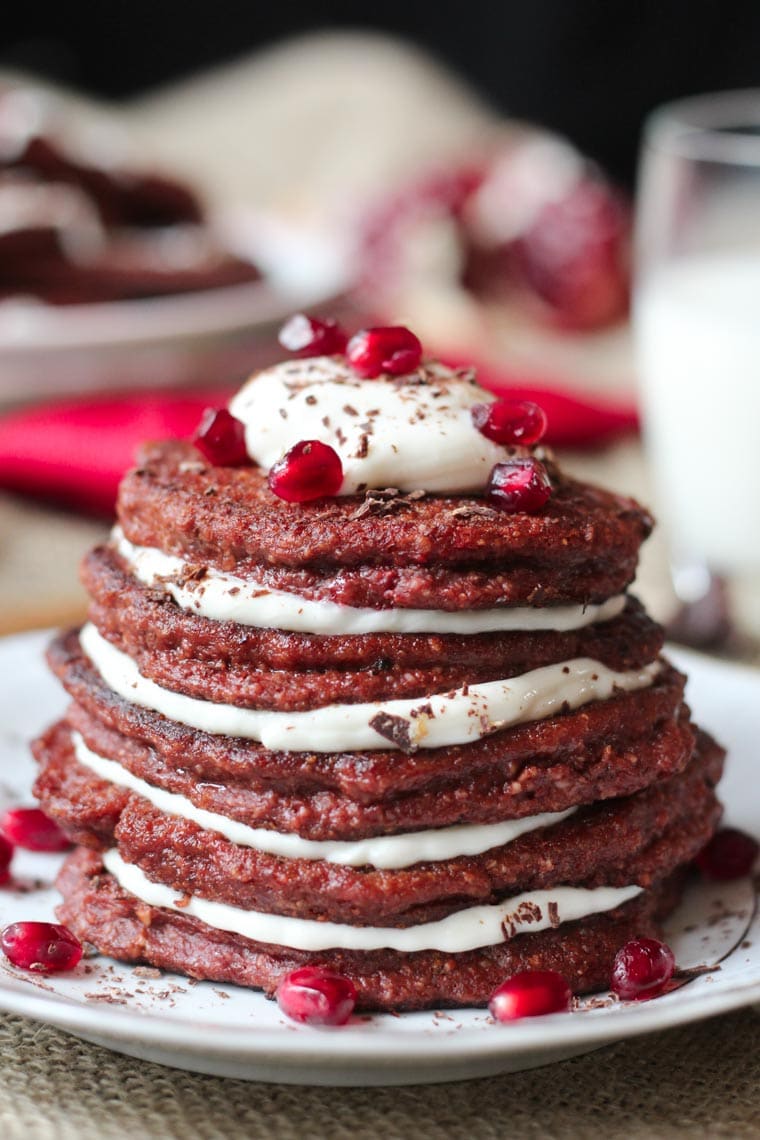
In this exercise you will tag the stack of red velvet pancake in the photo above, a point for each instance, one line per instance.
(412, 737)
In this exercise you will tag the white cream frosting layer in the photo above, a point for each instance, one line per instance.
(443, 719)
(412, 432)
(467, 929)
(225, 597)
(384, 852)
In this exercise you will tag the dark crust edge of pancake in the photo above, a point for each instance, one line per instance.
(99, 912)
(527, 780)
(635, 838)
(183, 652)
(173, 500)
(137, 616)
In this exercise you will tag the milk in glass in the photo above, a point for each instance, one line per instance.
(698, 339)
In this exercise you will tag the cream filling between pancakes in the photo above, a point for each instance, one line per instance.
(384, 852)
(468, 929)
(440, 720)
(226, 597)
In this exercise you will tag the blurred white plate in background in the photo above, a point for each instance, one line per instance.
(212, 336)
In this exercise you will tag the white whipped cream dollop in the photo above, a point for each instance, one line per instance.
(412, 432)
(464, 930)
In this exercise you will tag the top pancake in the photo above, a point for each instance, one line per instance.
(380, 548)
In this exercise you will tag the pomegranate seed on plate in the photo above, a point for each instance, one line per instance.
(393, 349)
(309, 470)
(519, 484)
(642, 969)
(315, 996)
(32, 829)
(43, 947)
(6, 854)
(510, 421)
(530, 993)
(730, 854)
(308, 336)
(220, 438)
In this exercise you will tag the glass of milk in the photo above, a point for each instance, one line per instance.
(697, 330)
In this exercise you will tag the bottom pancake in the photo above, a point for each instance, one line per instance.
(98, 910)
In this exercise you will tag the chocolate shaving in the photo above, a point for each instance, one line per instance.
(410, 380)
(526, 912)
(192, 574)
(363, 447)
(607, 1002)
(394, 728)
(386, 501)
(688, 972)
(553, 912)
(473, 511)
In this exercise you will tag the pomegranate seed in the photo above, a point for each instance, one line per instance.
(220, 438)
(6, 854)
(310, 470)
(530, 994)
(315, 996)
(41, 946)
(308, 336)
(730, 854)
(510, 421)
(520, 484)
(642, 969)
(575, 256)
(393, 349)
(32, 829)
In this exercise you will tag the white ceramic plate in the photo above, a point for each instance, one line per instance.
(235, 1032)
(49, 350)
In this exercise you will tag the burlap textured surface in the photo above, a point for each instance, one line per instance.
(701, 1080)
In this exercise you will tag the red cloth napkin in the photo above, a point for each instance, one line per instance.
(74, 452)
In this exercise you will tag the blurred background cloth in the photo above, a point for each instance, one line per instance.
(307, 131)
(587, 69)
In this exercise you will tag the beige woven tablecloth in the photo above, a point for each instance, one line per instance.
(697, 1081)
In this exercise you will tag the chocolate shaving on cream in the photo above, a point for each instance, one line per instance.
(397, 729)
